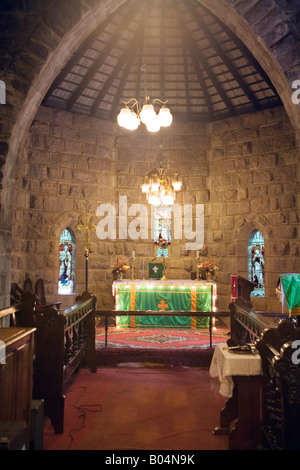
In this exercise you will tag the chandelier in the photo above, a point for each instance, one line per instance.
(160, 186)
(147, 114)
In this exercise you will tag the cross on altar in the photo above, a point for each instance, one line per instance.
(163, 305)
(155, 269)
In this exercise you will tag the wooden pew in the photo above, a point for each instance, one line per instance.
(19, 314)
(241, 287)
(280, 386)
(19, 295)
(277, 345)
(246, 325)
(65, 340)
(17, 332)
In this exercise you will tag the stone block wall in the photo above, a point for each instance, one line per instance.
(245, 170)
(254, 184)
(72, 166)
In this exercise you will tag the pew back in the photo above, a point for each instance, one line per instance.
(276, 342)
(64, 341)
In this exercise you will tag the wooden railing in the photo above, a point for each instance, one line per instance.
(245, 324)
(64, 341)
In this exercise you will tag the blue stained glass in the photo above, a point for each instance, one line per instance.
(162, 227)
(256, 263)
(66, 262)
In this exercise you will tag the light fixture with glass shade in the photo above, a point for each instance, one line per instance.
(160, 185)
(146, 114)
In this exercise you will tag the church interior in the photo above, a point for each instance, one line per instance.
(163, 252)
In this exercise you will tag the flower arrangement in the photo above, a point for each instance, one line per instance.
(120, 267)
(162, 242)
(206, 267)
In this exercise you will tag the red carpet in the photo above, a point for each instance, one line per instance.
(158, 338)
(140, 409)
(174, 347)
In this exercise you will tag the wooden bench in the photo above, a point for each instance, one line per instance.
(19, 295)
(65, 340)
(281, 386)
(277, 345)
(19, 314)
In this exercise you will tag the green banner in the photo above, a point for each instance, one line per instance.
(165, 298)
(155, 270)
(291, 287)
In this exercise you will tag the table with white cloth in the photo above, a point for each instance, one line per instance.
(240, 377)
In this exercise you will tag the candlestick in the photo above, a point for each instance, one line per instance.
(86, 226)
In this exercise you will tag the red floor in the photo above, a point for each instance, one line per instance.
(148, 407)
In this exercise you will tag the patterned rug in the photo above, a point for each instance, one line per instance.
(158, 338)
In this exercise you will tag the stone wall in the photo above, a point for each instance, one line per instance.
(254, 183)
(74, 164)
(244, 170)
(39, 37)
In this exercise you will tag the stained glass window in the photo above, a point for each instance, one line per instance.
(162, 229)
(256, 263)
(66, 262)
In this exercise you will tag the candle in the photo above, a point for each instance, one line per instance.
(133, 254)
(197, 253)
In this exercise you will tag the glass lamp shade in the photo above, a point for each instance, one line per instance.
(147, 113)
(177, 185)
(145, 187)
(133, 122)
(153, 199)
(154, 125)
(168, 198)
(123, 117)
(154, 186)
(128, 119)
(165, 117)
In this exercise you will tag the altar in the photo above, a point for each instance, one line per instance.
(164, 296)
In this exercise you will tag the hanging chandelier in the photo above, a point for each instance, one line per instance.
(147, 114)
(160, 185)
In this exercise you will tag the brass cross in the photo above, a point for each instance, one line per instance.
(163, 305)
(86, 226)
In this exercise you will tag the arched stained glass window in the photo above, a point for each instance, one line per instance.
(256, 263)
(162, 229)
(66, 262)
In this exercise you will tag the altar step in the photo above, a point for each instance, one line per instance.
(200, 357)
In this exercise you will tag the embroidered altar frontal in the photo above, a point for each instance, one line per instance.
(163, 296)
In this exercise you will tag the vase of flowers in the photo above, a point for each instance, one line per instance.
(206, 268)
(119, 269)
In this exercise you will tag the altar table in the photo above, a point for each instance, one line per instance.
(240, 377)
(164, 296)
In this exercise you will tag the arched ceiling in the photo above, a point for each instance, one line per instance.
(173, 50)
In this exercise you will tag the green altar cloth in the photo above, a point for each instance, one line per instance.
(164, 296)
(291, 292)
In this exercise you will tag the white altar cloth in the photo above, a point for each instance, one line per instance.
(226, 364)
